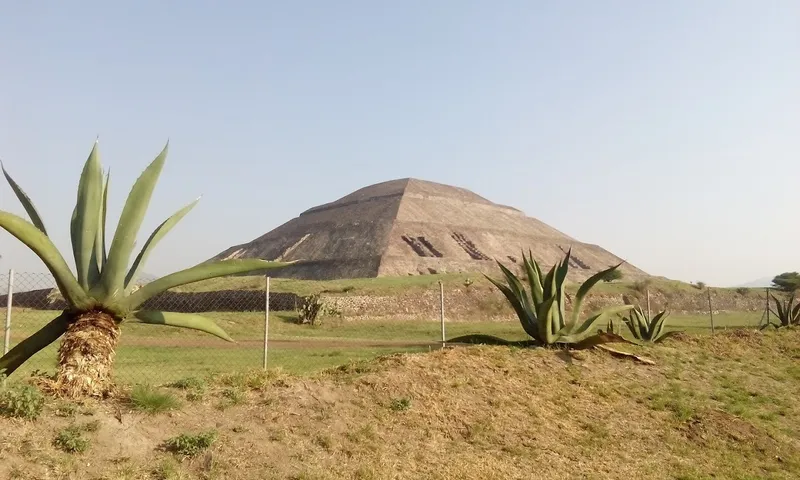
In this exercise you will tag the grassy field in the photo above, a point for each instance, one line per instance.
(721, 407)
(163, 354)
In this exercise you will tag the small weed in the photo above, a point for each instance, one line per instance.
(65, 409)
(148, 399)
(335, 353)
(91, 427)
(194, 396)
(251, 380)
(400, 404)
(21, 400)
(190, 445)
(195, 388)
(357, 366)
(71, 440)
(190, 383)
(234, 395)
(324, 441)
(168, 469)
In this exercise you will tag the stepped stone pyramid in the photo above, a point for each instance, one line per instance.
(416, 227)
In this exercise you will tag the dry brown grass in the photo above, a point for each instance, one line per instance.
(722, 406)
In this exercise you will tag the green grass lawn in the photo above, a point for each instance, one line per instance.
(183, 352)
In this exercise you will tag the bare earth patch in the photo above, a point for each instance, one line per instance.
(711, 407)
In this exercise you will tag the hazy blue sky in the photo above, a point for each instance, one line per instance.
(667, 132)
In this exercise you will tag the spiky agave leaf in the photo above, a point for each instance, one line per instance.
(779, 311)
(113, 278)
(100, 253)
(637, 324)
(552, 288)
(645, 329)
(151, 242)
(41, 245)
(546, 304)
(528, 321)
(549, 320)
(563, 268)
(519, 290)
(657, 325)
(203, 271)
(86, 219)
(183, 320)
(549, 283)
(25, 200)
(787, 312)
(33, 344)
(535, 279)
(796, 314)
(579, 332)
(584, 289)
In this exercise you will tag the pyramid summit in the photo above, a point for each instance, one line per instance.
(416, 227)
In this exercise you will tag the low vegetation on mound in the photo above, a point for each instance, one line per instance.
(722, 406)
(412, 283)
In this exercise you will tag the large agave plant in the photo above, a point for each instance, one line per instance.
(542, 309)
(101, 293)
(646, 329)
(787, 313)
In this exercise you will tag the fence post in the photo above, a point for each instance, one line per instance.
(711, 311)
(768, 312)
(441, 311)
(9, 303)
(266, 321)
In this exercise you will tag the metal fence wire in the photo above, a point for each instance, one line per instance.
(158, 354)
(276, 329)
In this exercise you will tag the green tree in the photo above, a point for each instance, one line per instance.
(788, 282)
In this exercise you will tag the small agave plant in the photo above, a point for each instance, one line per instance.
(542, 308)
(646, 329)
(102, 292)
(787, 313)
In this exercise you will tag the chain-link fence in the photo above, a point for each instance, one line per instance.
(303, 333)
(297, 341)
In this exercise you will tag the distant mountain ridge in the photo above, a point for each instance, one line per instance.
(759, 283)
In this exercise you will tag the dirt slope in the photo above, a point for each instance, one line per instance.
(712, 407)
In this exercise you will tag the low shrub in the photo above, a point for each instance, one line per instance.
(71, 440)
(189, 383)
(20, 400)
(642, 286)
(190, 445)
(400, 404)
(148, 399)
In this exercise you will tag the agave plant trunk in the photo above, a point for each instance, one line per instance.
(86, 355)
